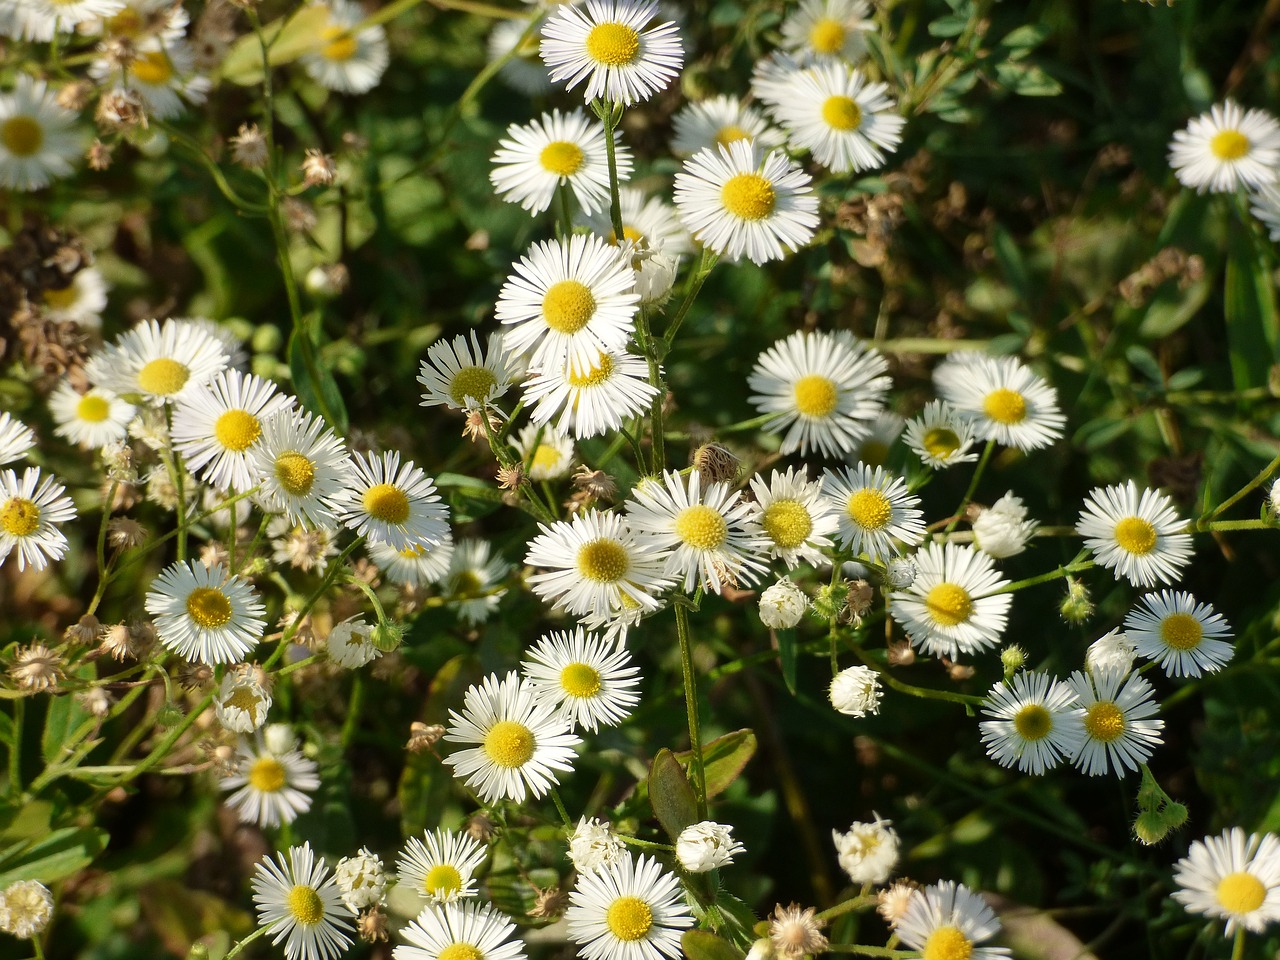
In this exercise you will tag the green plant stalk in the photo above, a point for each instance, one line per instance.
(330, 575)
(848, 906)
(862, 950)
(973, 484)
(1257, 481)
(1237, 945)
(646, 844)
(104, 570)
(159, 752)
(706, 263)
(564, 814)
(239, 947)
(607, 113)
(247, 207)
(354, 706)
(15, 751)
(691, 707)
(924, 693)
(1077, 565)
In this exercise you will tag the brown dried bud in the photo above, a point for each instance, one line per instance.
(318, 169)
(75, 96)
(36, 668)
(595, 483)
(901, 654)
(120, 110)
(125, 532)
(859, 600)
(116, 642)
(716, 463)
(98, 156)
(510, 478)
(959, 671)
(84, 632)
(249, 147)
(298, 216)
(794, 931)
(372, 925)
(549, 903)
(423, 736)
(479, 827)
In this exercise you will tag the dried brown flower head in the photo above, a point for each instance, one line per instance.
(318, 169)
(423, 736)
(36, 668)
(249, 147)
(794, 931)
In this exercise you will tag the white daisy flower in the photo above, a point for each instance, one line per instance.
(876, 511)
(271, 781)
(301, 468)
(1117, 712)
(596, 563)
(868, 851)
(610, 45)
(362, 879)
(1232, 877)
(16, 438)
(1111, 651)
(826, 389)
(159, 362)
(1137, 536)
(162, 73)
(1005, 401)
(454, 931)
(205, 614)
(627, 910)
(952, 608)
(567, 302)
(707, 529)
(1185, 637)
(31, 508)
(416, 566)
(592, 401)
(557, 150)
(459, 375)
(1002, 530)
(349, 644)
(475, 580)
(139, 19)
(593, 845)
(232, 345)
(441, 866)
(37, 144)
(796, 518)
(883, 432)
(738, 201)
(216, 427)
(645, 220)
(81, 302)
(719, 121)
(242, 701)
(392, 503)
(546, 453)
(302, 905)
(1266, 207)
(706, 846)
(90, 420)
(344, 58)
(946, 920)
(771, 76)
(940, 437)
(1226, 148)
(589, 680)
(846, 123)
(525, 72)
(855, 691)
(26, 907)
(522, 743)
(1036, 725)
(829, 29)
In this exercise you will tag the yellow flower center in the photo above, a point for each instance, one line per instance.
(295, 472)
(568, 306)
(467, 582)
(869, 509)
(442, 879)
(603, 561)
(1033, 722)
(153, 68)
(22, 136)
(19, 517)
(1135, 535)
(243, 698)
(1104, 721)
(593, 377)
(474, 382)
(561, 157)
(940, 442)
(339, 45)
(816, 395)
(787, 523)
(412, 553)
(629, 918)
(731, 133)
(613, 44)
(748, 196)
(546, 457)
(628, 233)
(509, 744)
(61, 299)
(93, 408)
(127, 23)
(949, 604)
(387, 503)
(237, 430)
(460, 951)
(947, 943)
(701, 527)
(305, 905)
(1005, 406)
(162, 377)
(1181, 631)
(208, 607)
(1229, 145)
(842, 113)
(827, 35)
(267, 775)
(580, 680)
(1241, 893)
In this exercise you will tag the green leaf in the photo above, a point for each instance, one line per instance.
(58, 855)
(1253, 324)
(700, 945)
(66, 723)
(723, 759)
(288, 41)
(671, 795)
(311, 392)
(1145, 362)
(1011, 262)
(788, 654)
(951, 25)
(1026, 80)
(1025, 37)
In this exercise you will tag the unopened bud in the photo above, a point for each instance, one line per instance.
(1150, 828)
(1175, 814)
(170, 715)
(1013, 658)
(386, 636)
(1076, 607)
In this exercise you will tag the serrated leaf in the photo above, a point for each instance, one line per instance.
(59, 855)
(670, 794)
(287, 40)
(1026, 80)
(723, 758)
(700, 945)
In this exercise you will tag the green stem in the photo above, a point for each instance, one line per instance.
(1237, 945)
(646, 844)
(973, 484)
(1077, 565)
(239, 947)
(1244, 491)
(564, 814)
(706, 264)
(611, 114)
(330, 575)
(691, 706)
(354, 705)
(855, 903)
(15, 750)
(161, 751)
(862, 950)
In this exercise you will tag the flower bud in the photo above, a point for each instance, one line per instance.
(1076, 607)
(901, 573)
(1150, 828)
(706, 846)
(1013, 658)
(856, 691)
(1003, 530)
(782, 605)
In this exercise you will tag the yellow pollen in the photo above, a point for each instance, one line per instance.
(61, 299)
(208, 607)
(243, 698)
(748, 196)
(568, 306)
(580, 680)
(1104, 721)
(339, 45)
(947, 943)
(152, 68)
(701, 527)
(613, 44)
(628, 233)
(1241, 893)
(305, 905)
(787, 523)
(460, 951)
(19, 517)
(1033, 722)
(816, 396)
(295, 472)
(93, 408)
(940, 442)
(561, 157)
(473, 382)
(731, 134)
(870, 509)
(267, 775)
(509, 744)
(593, 377)
(443, 878)
(629, 918)
(1135, 535)
(842, 113)
(1229, 145)
(412, 553)
(162, 377)
(603, 561)
(1005, 406)
(22, 136)
(237, 430)
(126, 23)
(546, 457)
(949, 604)
(386, 503)
(827, 35)
(1181, 631)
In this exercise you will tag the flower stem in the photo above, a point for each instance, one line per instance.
(1203, 522)
(973, 485)
(691, 705)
